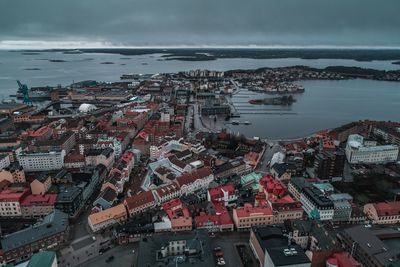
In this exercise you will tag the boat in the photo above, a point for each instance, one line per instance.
(256, 101)
(235, 122)
(247, 122)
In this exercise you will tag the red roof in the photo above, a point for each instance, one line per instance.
(167, 189)
(218, 192)
(48, 199)
(74, 158)
(172, 204)
(248, 210)
(188, 178)
(220, 218)
(127, 156)
(343, 259)
(387, 208)
(139, 200)
(11, 195)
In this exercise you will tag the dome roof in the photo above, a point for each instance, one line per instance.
(86, 107)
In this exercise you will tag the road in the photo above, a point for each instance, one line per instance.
(266, 158)
(123, 257)
(198, 124)
(80, 251)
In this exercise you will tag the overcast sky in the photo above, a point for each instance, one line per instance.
(201, 22)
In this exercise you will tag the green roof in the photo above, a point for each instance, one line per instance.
(253, 177)
(42, 259)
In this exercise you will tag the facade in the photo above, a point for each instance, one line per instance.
(34, 206)
(106, 218)
(388, 134)
(230, 168)
(166, 193)
(10, 201)
(225, 194)
(316, 204)
(139, 203)
(195, 180)
(383, 212)
(69, 200)
(329, 165)
(218, 221)
(248, 216)
(13, 174)
(104, 156)
(65, 142)
(41, 184)
(42, 161)
(4, 161)
(50, 233)
(358, 152)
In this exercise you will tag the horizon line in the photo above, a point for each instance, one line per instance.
(46, 45)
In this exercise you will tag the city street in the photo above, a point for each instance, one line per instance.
(81, 250)
(123, 257)
(266, 158)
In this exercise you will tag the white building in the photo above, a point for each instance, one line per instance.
(4, 161)
(42, 161)
(166, 193)
(360, 152)
(316, 204)
(194, 181)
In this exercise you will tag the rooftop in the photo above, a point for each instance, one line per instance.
(272, 240)
(111, 213)
(42, 259)
(54, 223)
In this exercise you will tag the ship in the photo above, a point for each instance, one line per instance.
(235, 122)
(247, 122)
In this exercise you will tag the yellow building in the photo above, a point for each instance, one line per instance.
(41, 184)
(106, 218)
(13, 175)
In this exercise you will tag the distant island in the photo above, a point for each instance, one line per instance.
(201, 54)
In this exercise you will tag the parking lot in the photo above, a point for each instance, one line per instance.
(123, 256)
(227, 242)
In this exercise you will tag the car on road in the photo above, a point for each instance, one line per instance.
(110, 259)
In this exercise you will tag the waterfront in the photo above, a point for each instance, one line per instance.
(323, 105)
(38, 70)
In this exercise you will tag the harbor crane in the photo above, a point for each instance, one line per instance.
(23, 88)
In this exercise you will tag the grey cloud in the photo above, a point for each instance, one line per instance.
(212, 22)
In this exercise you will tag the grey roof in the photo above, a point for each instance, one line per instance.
(273, 241)
(370, 243)
(67, 194)
(317, 197)
(54, 223)
(281, 168)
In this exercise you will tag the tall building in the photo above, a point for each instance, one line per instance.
(42, 161)
(329, 165)
(360, 152)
